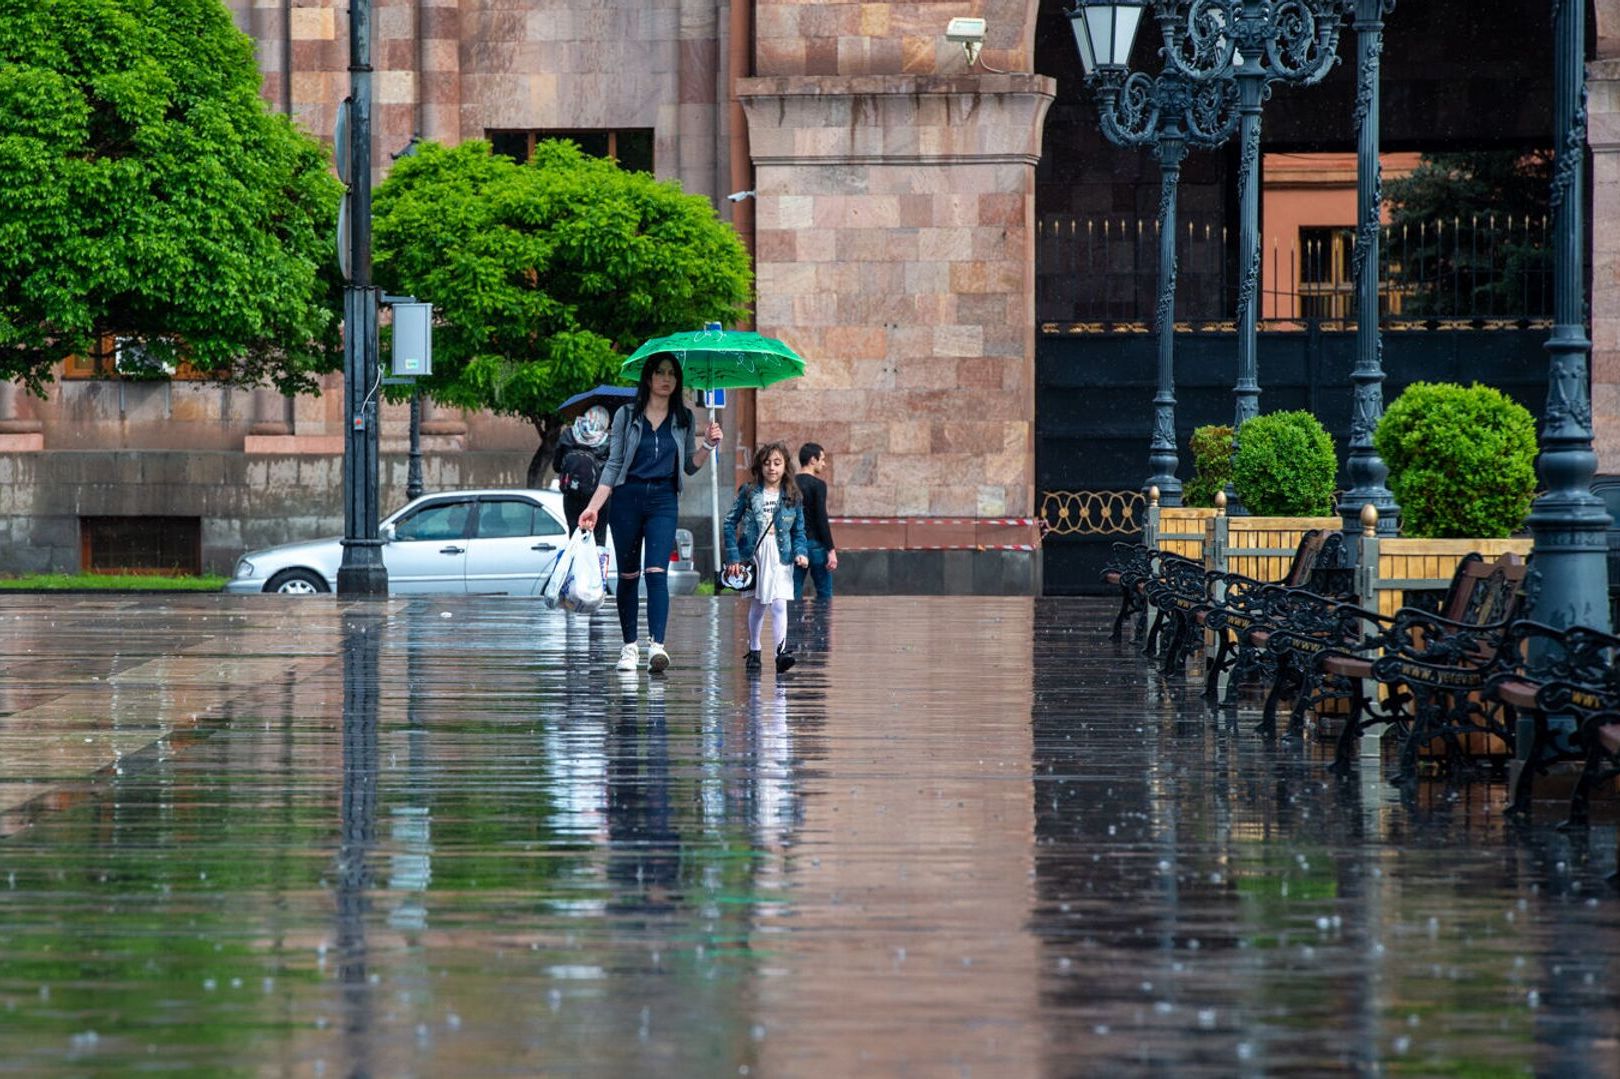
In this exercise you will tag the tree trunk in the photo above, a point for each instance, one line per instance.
(549, 428)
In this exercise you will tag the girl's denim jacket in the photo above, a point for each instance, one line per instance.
(748, 515)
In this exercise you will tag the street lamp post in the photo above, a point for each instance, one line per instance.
(1255, 43)
(1168, 114)
(1366, 468)
(362, 571)
(1569, 582)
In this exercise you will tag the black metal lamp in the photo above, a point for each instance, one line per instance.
(1105, 33)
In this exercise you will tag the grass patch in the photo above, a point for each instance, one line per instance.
(705, 588)
(102, 582)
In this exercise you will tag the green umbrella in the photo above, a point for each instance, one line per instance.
(721, 359)
(716, 359)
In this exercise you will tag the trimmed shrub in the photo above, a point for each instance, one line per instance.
(1211, 447)
(1462, 460)
(1285, 466)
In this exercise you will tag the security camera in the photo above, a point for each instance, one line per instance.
(969, 33)
(738, 196)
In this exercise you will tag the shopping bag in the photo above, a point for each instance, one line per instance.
(551, 591)
(583, 587)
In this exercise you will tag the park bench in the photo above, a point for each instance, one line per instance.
(1563, 685)
(1240, 610)
(1128, 570)
(1432, 667)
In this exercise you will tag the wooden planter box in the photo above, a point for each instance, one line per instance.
(1180, 530)
(1259, 547)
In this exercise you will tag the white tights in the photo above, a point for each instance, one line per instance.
(756, 619)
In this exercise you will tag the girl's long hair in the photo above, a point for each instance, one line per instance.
(790, 490)
(677, 400)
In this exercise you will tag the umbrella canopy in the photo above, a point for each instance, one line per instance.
(609, 397)
(722, 359)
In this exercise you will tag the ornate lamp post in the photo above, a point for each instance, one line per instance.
(1168, 114)
(1366, 468)
(1569, 582)
(1255, 43)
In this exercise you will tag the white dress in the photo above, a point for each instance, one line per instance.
(773, 577)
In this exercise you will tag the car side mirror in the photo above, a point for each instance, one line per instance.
(386, 533)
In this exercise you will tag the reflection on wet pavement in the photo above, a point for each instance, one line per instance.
(442, 837)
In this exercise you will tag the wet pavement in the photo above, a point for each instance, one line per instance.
(964, 837)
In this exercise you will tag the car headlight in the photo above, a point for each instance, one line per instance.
(244, 568)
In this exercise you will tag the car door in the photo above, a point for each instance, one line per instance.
(513, 547)
(429, 550)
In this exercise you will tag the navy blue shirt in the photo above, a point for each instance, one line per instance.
(655, 453)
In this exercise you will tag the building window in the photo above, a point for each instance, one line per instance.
(160, 546)
(632, 147)
(1326, 285)
(117, 357)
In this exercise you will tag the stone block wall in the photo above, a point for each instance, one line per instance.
(243, 501)
(894, 248)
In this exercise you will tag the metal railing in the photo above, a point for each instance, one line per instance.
(1483, 270)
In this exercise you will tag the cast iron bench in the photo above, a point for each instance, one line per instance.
(1240, 610)
(1128, 570)
(1565, 683)
(1434, 665)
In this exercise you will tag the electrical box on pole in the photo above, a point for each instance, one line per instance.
(413, 339)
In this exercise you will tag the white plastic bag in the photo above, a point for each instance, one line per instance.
(583, 586)
(551, 590)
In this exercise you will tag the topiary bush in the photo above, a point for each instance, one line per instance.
(1462, 460)
(1211, 447)
(1285, 466)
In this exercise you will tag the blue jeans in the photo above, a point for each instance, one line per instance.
(642, 516)
(818, 573)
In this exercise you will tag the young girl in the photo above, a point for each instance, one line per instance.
(766, 526)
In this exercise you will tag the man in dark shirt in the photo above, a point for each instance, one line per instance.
(817, 530)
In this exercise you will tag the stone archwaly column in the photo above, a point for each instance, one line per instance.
(895, 243)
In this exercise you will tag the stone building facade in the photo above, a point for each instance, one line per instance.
(893, 226)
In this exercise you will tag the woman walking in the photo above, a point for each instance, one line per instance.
(652, 449)
(769, 517)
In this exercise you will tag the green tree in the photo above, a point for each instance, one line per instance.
(149, 193)
(545, 275)
(1468, 234)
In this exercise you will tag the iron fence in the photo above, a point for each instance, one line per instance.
(1485, 270)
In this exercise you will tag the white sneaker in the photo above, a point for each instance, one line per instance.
(657, 658)
(629, 657)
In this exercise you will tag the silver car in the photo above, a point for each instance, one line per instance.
(501, 542)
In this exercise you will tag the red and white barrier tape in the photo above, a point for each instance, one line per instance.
(1004, 522)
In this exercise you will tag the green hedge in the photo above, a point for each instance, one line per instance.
(1285, 466)
(1211, 447)
(1462, 460)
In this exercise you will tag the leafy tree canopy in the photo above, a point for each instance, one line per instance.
(149, 193)
(1468, 234)
(545, 275)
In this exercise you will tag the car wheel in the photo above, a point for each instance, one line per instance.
(297, 582)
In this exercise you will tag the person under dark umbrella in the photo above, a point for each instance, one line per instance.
(581, 454)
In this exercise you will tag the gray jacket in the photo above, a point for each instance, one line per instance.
(624, 436)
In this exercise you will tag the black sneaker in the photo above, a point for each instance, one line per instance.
(751, 659)
(784, 660)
